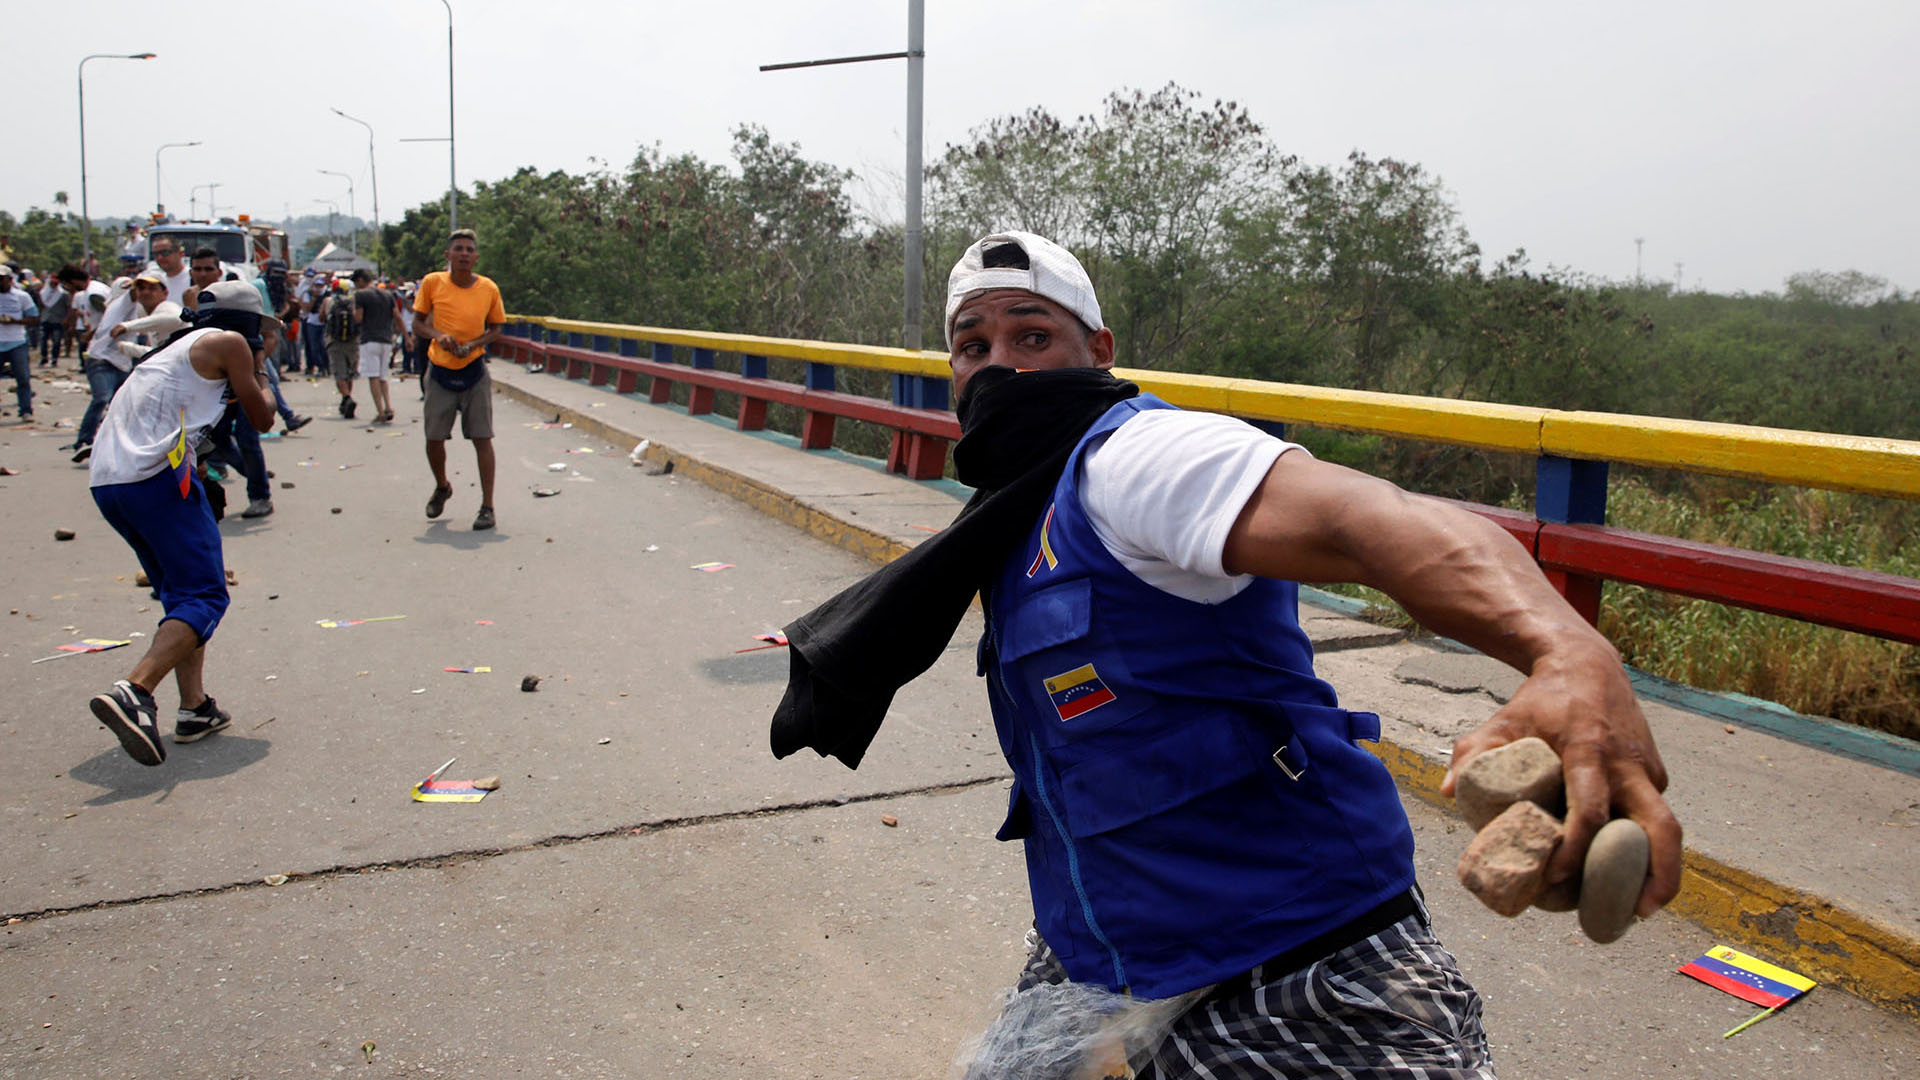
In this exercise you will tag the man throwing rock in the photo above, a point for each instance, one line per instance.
(1203, 831)
(147, 487)
(461, 313)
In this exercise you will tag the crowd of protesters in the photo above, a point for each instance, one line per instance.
(183, 357)
(339, 327)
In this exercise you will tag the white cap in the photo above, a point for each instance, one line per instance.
(1051, 271)
(237, 296)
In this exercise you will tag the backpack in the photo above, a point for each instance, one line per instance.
(340, 324)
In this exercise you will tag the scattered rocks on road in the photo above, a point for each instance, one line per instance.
(63, 534)
(529, 683)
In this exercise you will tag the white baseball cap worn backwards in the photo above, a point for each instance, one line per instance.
(1051, 271)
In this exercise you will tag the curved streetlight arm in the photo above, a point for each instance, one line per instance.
(354, 244)
(372, 169)
(80, 80)
(159, 204)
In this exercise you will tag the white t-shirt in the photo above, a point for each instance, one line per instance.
(147, 415)
(177, 284)
(1164, 489)
(100, 347)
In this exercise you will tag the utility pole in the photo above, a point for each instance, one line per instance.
(1677, 278)
(1637, 241)
(916, 58)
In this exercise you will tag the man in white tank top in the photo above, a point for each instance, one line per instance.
(145, 481)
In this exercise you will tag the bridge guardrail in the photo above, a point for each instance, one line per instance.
(1567, 534)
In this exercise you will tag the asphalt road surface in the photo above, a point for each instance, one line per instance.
(649, 893)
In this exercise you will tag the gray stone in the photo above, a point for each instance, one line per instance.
(1610, 882)
(1523, 769)
(1506, 864)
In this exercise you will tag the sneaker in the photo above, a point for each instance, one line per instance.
(438, 501)
(192, 725)
(298, 422)
(258, 508)
(129, 712)
(483, 519)
(348, 407)
(82, 452)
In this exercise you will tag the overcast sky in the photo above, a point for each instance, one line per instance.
(1746, 139)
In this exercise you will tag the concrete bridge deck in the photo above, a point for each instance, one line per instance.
(649, 893)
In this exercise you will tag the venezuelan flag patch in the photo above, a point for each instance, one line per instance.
(1078, 692)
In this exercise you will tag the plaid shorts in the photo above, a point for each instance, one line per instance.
(1393, 1005)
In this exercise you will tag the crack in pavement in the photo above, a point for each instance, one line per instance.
(451, 858)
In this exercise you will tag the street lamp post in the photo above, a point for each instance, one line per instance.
(332, 209)
(353, 244)
(159, 205)
(193, 202)
(371, 170)
(916, 58)
(453, 185)
(80, 77)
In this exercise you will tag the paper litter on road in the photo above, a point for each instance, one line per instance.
(711, 567)
(335, 624)
(468, 670)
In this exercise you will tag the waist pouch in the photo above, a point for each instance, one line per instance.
(458, 379)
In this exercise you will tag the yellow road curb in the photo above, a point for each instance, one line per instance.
(1804, 932)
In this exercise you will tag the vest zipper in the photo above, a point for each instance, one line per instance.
(1073, 867)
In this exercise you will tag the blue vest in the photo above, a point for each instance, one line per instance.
(1191, 797)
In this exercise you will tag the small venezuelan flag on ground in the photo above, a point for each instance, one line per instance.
(1748, 978)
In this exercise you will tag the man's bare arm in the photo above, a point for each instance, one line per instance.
(1464, 577)
(227, 354)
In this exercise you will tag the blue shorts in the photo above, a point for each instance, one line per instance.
(177, 543)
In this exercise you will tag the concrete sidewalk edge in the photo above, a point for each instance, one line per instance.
(1827, 943)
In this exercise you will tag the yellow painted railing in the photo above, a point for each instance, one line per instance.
(1871, 466)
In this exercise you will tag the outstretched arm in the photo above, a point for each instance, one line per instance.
(1464, 577)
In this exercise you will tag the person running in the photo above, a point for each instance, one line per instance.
(145, 482)
(106, 364)
(343, 345)
(374, 315)
(461, 313)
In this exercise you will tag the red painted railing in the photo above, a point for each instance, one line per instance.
(1573, 449)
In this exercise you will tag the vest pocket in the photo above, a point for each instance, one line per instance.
(1112, 790)
(1062, 671)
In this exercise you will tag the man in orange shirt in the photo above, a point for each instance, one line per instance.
(461, 313)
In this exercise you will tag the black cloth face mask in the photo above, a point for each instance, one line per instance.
(850, 655)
